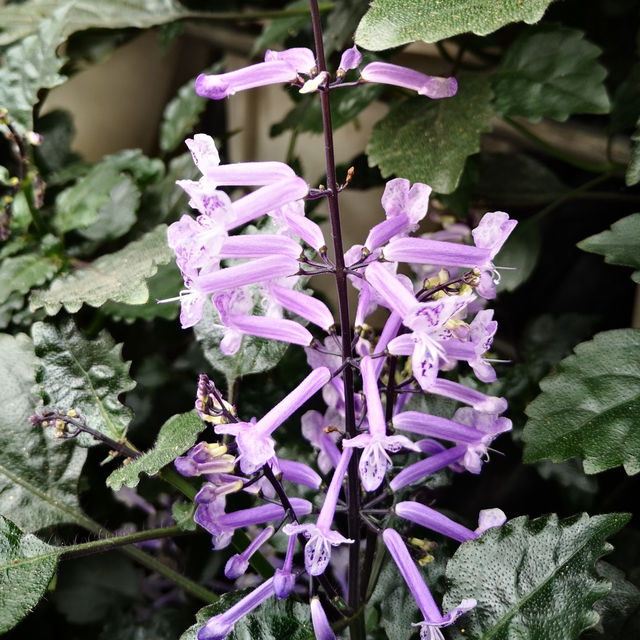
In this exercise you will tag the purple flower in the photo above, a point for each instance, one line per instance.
(284, 579)
(317, 552)
(419, 470)
(313, 429)
(433, 619)
(430, 86)
(321, 627)
(375, 444)
(238, 564)
(255, 444)
(350, 59)
(205, 458)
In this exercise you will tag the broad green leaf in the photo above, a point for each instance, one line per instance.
(532, 578)
(27, 565)
(632, 176)
(390, 23)
(165, 284)
(589, 407)
(625, 107)
(87, 375)
(18, 20)
(32, 65)
(429, 140)
(119, 276)
(619, 245)
(87, 589)
(181, 115)
(21, 273)
(254, 355)
(279, 29)
(520, 253)
(176, 435)
(272, 620)
(345, 106)
(550, 72)
(38, 476)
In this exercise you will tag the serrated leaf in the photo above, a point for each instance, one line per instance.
(429, 140)
(255, 355)
(619, 245)
(20, 19)
(532, 578)
(551, 72)
(21, 273)
(390, 23)
(27, 565)
(632, 175)
(119, 276)
(32, 65)
(176, 435)
(272, 620)
(87, 375)
(38, 476)
(589, 408)
(520, 254)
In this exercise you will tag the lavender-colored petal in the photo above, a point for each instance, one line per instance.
(238, 564)
(490, 518)
(433, 520)
(305, 306)
(399, 198)
(222, 85)
(301, 59)
(260, 270)
(292, 217)
(419, 470)
(426, 251)
(479, 401)
(325, 518)
(350, 59)
(259, 245)
(375, 414)
(362, 310)
(390, 289)
(221, 625)
(492, 231)
(299, 473)
(272, 329)
(246, 174)
(389, 331)
(425, 424)
(430, 86)
(263, 513)
(383, 232)
(284, 579)
(321, 627)
(204, 152)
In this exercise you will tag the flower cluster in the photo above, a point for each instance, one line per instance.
(253, 283)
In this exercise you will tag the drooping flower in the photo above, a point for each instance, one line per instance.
(239, 563)
(321, 627)
(430, 86)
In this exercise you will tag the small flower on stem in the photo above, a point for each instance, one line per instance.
(430, 86)
(238, 564)
(321, 627)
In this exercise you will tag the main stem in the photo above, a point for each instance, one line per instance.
(353, 483)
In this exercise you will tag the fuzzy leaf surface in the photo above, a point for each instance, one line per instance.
(429, 140)
(27, 565)
(272, 620)
(20, 273)
(119, 276)
(532, 578)
(38, 476)
(177, 434)
(589, 407)
(390, 23)
(618, 245)
(85, 374)
(551, 72)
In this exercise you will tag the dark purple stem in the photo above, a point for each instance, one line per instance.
(353, 491)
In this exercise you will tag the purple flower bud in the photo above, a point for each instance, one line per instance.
(419, 470)
(350, 59)
(239, 563)
(284, 579)
(433, 520)
(430, 86)
(321, 627)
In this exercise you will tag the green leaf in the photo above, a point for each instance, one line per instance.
(272, 620)
(32, 65)
(342, 22)
(619, 245)
(390, 23)
(83, 374)
(632, 175)
(255, 355)
(429, 140)
(181, 115)
(183, 513)
(532, 578)
(589, 407)
(550, 72)
(27, 565)
(21, 273)
(177, 434)
(279, 29)
(521, 251)
(625, 107)
(38, 476)
(119, 276)
(21, 19)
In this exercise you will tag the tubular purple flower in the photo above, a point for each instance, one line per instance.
(238, 564)
(433, 520)
(299, 473)
(478, 400)
(221, 625)
(321, 627)
(433, 619)
(350, 59)
(291, 217)
(255, 444)
(313, 423)
(398, 298)
(420, 470)
(284, 579)
(259, 245)
(305, 306)
(205, 458)
(300, 58)
(430, 86)
(271, 329)
(389, 332)
(426, 251)
(317, 552)
(382, 232)
(259, 270)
